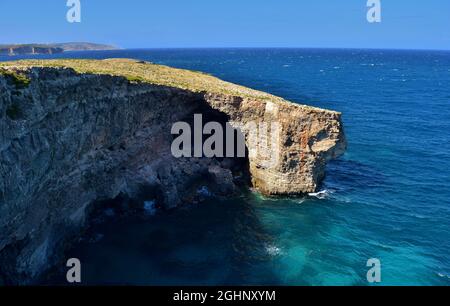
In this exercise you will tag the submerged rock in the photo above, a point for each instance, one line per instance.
(80, 131)
(222, 179)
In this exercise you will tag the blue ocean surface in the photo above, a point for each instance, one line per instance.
(388, 197)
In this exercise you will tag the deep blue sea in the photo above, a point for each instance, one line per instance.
(388, 197)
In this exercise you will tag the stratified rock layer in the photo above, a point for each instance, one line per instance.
(76, 132)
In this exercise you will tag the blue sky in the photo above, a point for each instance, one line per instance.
(410, 24)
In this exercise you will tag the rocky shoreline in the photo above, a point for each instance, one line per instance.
(74, 133)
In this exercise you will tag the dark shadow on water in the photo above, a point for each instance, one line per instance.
(217, 242)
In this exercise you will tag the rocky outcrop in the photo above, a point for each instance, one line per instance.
(69, 139)
(293, 160)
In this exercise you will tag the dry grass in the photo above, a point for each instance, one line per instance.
(138, 71)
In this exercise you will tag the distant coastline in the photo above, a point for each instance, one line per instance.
(21, 49)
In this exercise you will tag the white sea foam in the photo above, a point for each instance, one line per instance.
(300, 201)
(273, 250)
(443, 275)
(323, 194)
(418, 216)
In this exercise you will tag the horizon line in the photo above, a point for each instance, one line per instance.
(262, 48)
(330, 48)
(236, 47)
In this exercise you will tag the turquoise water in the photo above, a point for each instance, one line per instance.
(387, 198)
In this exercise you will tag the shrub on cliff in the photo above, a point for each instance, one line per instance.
(19, 80)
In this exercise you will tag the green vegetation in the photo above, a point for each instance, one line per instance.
(138, 71)
(146, 72)
(136, 79)
(19, 79)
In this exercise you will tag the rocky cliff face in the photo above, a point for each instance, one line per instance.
(70, 139)
(293, 161)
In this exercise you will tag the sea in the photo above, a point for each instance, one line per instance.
(387, 200)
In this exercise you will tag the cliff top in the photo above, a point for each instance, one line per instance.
(140, 71)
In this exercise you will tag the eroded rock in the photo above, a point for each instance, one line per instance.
(69, 139)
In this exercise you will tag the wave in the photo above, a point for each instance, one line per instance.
(444, 276)
(300, 201)
(323, 194)
(273, 250)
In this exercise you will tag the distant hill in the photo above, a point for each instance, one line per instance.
(18, 49)
(77, 46)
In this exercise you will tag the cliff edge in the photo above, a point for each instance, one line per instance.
(75, 132)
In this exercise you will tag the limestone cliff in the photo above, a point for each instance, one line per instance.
(73, 132)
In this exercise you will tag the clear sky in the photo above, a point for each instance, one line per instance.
(410, 24)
